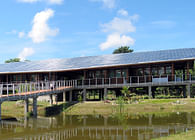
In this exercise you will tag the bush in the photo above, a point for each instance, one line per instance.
(166, 96)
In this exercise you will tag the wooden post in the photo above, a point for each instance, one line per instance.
(150, 92)
(84, 94)
(64, 96)
(51, 99)
(188, 91)
(70, 96)
(188, 73)
(35, 107)
(84, 74)
(0, 110)
(26, 104)
(172, 71)
(105, 93)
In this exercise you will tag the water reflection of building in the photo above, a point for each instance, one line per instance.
(72, 127)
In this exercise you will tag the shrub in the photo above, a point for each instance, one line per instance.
(161, 96)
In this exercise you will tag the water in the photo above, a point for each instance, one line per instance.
(97, 127)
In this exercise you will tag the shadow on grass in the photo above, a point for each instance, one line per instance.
(57, 109)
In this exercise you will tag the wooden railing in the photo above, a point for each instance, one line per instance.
(7, 89)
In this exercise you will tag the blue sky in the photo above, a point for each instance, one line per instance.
(43, 29)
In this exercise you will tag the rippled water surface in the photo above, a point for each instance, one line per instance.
(97, 127)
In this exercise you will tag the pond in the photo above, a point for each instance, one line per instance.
(97, 127)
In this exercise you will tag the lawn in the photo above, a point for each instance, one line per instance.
(143, 106)
(190, 135)
(14, 109)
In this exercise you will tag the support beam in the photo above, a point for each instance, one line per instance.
(188, 73)
(150, 92)
(188, 91)
(105, 93)
(64, 96)
(84, 94)
(70, 96)
(0, 110)
(173, 71)
(51, 99)
(35, 106)
(26, 106)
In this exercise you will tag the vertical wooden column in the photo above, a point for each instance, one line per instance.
(150, 92)
(70, 96)
(64, 96)
(188, 91)
(51, 99)
(150, 77)
(127, 75)
(26, 106)
(0, 110)
(188, 73)
(35, 106)
(85, 74)
(172, 71)
(105, 93)
(84, 94)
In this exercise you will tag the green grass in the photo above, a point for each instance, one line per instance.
(89, 108)
(12, 109)
(190, 135)
(143, 106)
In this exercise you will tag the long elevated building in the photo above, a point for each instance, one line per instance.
(138, 69)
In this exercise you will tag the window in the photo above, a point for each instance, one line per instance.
(111, 74)
(147, 71)
(168, 70)
(161, 71)
(91, 74)
(98, 74)
(118, 73)
(154, 71)
(124, 72)
(140, 72)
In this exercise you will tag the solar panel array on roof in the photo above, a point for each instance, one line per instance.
(98, 61)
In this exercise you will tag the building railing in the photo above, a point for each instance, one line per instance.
(11, 89)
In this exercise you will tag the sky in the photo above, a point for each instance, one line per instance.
(46, 29)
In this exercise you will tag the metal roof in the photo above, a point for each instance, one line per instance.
(99, 61)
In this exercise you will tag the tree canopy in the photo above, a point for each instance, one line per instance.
(123, 49)
(12, 60)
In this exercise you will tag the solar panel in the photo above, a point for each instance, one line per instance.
(98, 61)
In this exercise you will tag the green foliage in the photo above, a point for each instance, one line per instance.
(123, 49)
(12, 60)
(125, 91)
(167, 96)
(80, 99)
(120, 101)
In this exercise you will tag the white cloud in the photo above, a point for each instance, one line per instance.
(164, 23)
(118, 30)
(25, 53)
(119, 25)
(40, 29)
(106, 3)
(47, 1)
(134, 17)
(55, 1)
(28, 1)
(21, 34)
(116, 40)
(13, 32)
(122, 12)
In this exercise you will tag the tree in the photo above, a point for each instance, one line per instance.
(123, 49)
(12, 60)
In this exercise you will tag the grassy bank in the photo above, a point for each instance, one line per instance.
(89, 108)
(143, 106)
(190, 135)
(16, 109)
